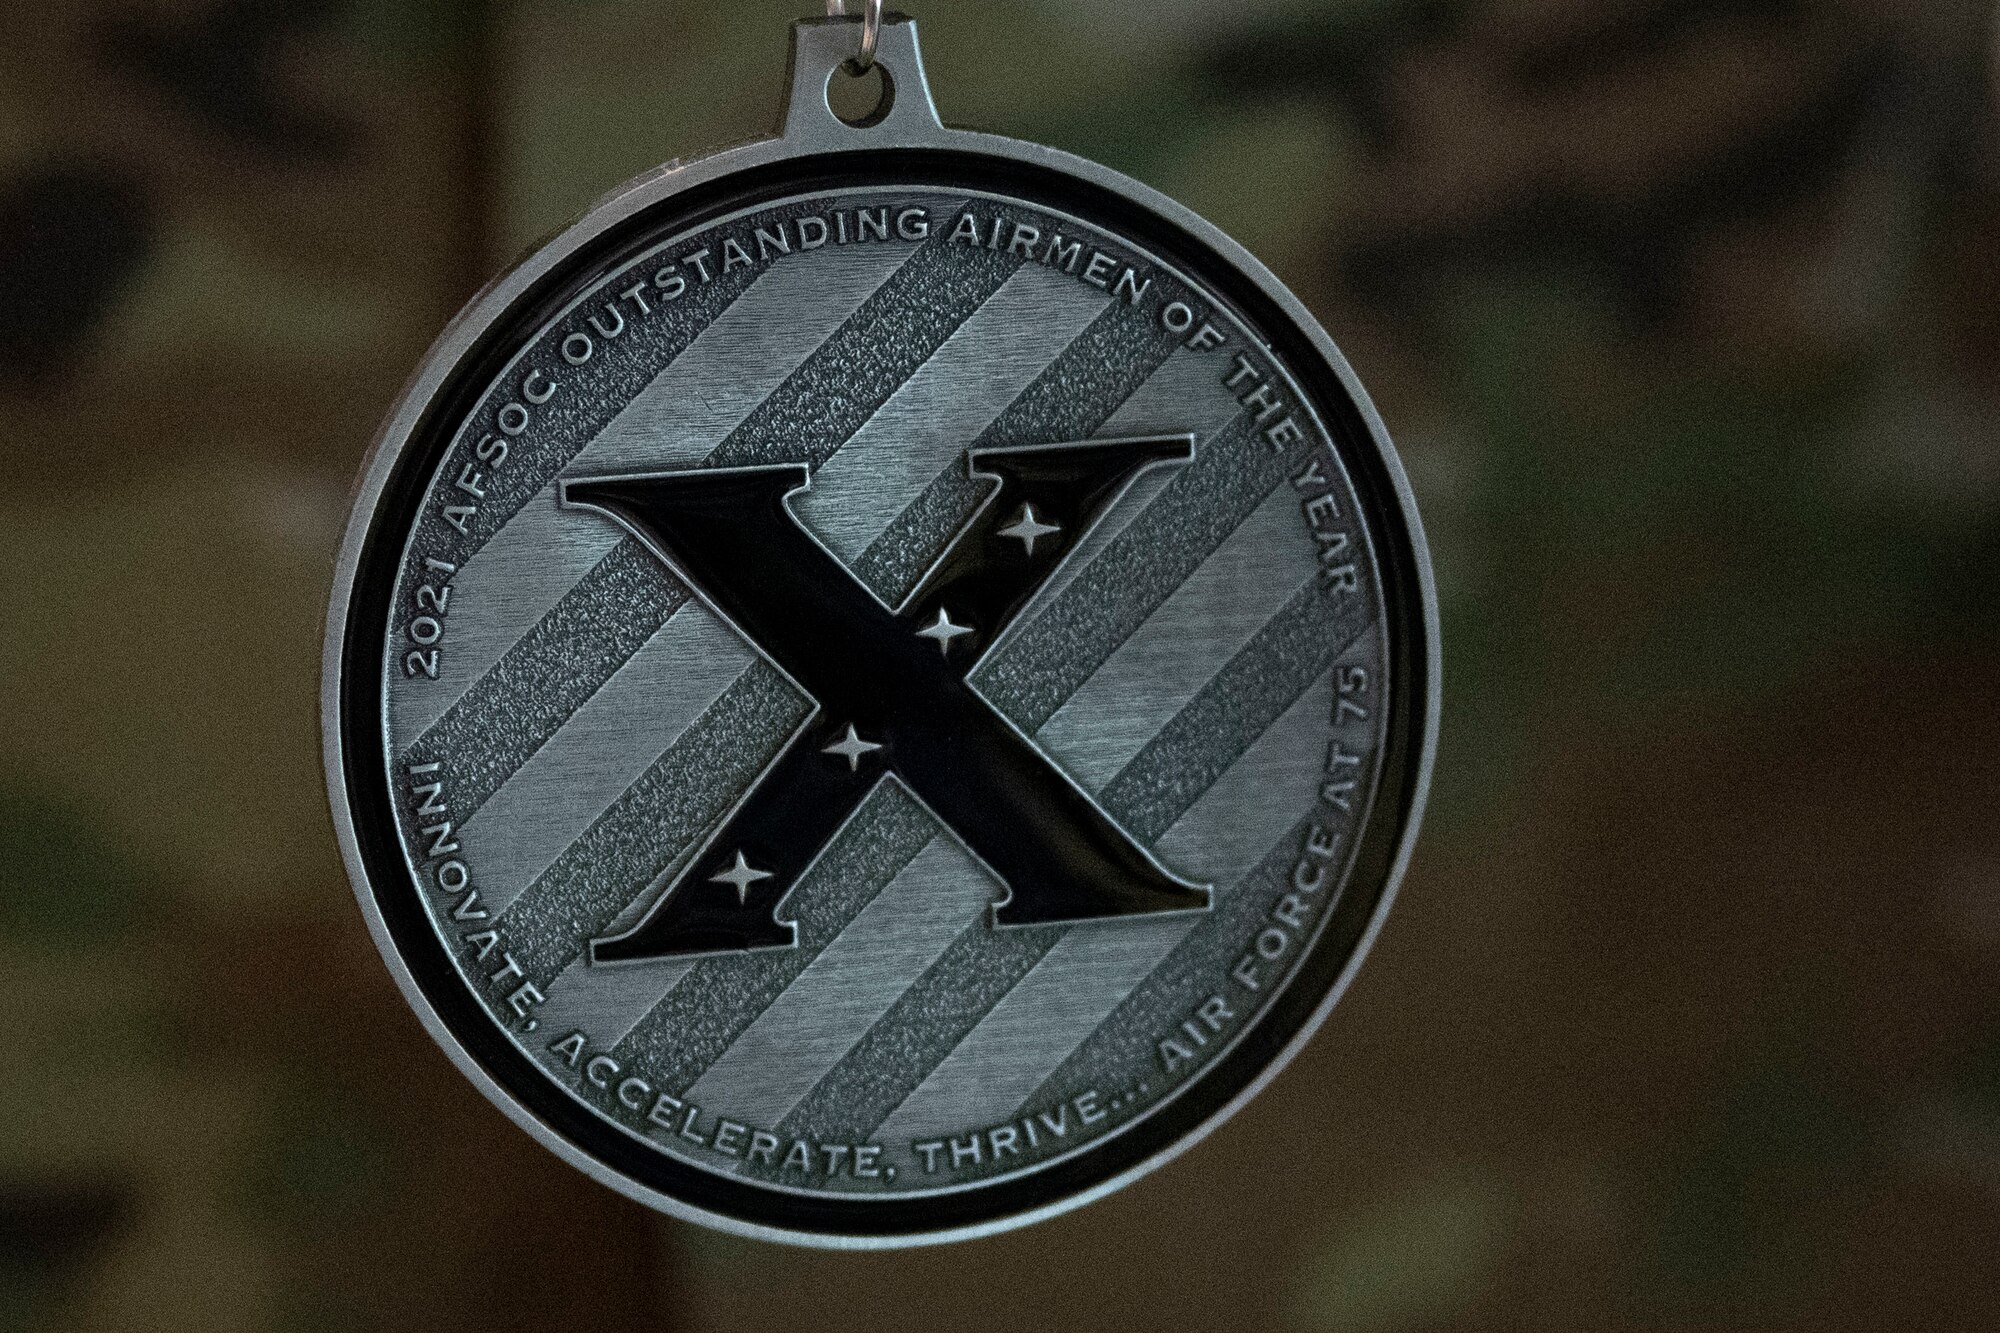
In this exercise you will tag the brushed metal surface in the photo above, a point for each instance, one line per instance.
(1180, 647)
(849, 986)
(921, 432)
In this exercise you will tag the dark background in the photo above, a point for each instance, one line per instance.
(1684, 313)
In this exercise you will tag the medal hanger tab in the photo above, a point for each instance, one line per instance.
(827, 48)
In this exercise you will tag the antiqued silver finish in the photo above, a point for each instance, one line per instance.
(880, 684)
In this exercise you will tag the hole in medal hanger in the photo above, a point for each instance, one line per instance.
(859, 91)
(860, 97)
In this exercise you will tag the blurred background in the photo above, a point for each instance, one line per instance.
(1686, 314)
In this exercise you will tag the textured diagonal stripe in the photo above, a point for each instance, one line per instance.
(1047, 661)
(605, 1001)
(1089, 972)
(1233, 823)
(1147, 796)
(744, 357)
(923, 429)
(696, 399)
(536, 688)
(1015, 1033)
(811, 1024)
(685, 791)
(1180, 397)
(568, 422)
(1205, 620)
(539, 684)
(1070, 400)
(704, 1014)
(1191, 754)
(607, 746)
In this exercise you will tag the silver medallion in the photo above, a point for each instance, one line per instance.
(880, 684)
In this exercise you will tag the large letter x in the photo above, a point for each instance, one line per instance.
(892, 693)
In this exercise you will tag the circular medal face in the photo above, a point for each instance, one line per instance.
(875, 694)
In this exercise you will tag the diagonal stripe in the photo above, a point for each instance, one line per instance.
(605, 1001)
(792, 1043)
(607, 746)
(706, 1012)
(1192, 634)
(568, 422)
(1181, 396)
(1073, 989)
(638, 839)
(1159, 785)
(540, 551)
(922, 430)
(1233, 823)
(1070, 400)
(745, 359)
(539, 684)
(600, 623)
(1048, 660)
(1204, 740)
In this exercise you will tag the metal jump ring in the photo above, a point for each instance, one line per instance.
(871, 29)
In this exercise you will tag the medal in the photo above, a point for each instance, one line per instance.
(880, 684)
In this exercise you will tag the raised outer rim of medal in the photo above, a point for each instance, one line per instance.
(454, 366)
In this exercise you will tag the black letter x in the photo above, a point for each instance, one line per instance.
(892, 693)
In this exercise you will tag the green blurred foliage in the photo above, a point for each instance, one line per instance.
(1420, 1257)
(64, 883)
